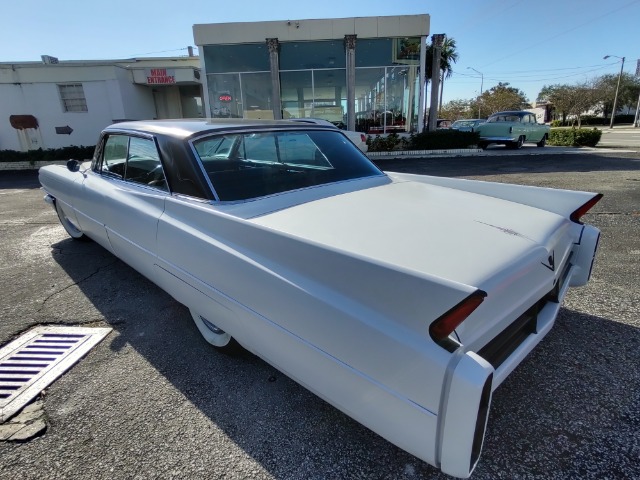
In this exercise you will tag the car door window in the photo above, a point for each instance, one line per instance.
(114, 159)
(133, 159)
(143, 164)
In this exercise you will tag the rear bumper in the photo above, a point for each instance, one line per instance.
(475, 376)
(50, 200)
(464, 412)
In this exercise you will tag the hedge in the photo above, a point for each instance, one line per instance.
(594, 120)
(438, 140)
(66, 153)
(574, 137)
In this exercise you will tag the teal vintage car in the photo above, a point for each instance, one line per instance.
(512, 129)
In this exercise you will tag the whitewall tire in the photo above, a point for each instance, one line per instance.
(71, 228)
(214, 335)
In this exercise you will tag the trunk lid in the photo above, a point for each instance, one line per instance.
(452, 234)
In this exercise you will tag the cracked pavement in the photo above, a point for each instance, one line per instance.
(153, 400)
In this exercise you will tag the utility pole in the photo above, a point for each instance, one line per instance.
(480, 97)
(615, 99)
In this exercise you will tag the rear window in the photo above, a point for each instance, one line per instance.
(243, 166)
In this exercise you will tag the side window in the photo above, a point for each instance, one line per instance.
(134, 159)
(143, 163)
(114, 158)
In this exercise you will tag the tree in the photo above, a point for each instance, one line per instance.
(448, 56)
(571, 100)
(605, 87)
(457, 109)
(501, 97)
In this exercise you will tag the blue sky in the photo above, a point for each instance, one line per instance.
(524, 42)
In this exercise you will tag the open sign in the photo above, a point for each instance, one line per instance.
(225, 97)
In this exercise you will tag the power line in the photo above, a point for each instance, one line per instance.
(561, 34)
(159, 51)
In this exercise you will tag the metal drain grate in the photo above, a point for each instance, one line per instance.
(32, 362)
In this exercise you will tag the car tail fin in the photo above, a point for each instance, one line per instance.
(443, 326)
(584, 208)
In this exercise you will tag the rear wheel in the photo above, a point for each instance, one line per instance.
(73, 231)
(214, 335)
(517, 144)
(542, 142)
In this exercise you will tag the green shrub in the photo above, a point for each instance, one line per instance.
(443, 140)
(50, 154)
(556, 123)
(386, 143)
(574, 137)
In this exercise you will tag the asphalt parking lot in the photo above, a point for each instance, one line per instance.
(153, 400)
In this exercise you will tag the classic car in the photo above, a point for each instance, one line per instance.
(467, 125)
(512, 129)
(403, 300)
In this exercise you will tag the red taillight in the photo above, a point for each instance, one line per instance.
(575, 216)
(441, 328)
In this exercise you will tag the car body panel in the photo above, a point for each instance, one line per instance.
(338, 284)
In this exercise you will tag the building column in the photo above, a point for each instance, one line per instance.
(350, 47)
(422, 98)
(436, 40)
(274, 62)
(206, 106)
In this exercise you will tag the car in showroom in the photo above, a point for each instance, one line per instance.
(512, 129)
(402, 300)
(467, 125)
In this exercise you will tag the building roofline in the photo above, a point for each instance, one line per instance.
(312, 29)
(93, 63)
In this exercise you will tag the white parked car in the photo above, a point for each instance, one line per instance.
(359, 139)
(402, 300)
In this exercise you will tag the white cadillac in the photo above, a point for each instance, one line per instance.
(402, 300)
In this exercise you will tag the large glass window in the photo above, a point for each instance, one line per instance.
(387, 99)
(240, 95)
(256, 164)
(312, 55)
(315, 93)
(248, 57)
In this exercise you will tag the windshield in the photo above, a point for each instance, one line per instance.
(242, 166)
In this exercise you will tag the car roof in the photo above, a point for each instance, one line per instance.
(512, 112)
(183, 128)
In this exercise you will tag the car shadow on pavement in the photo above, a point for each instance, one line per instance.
(289, 431)
(570, 409)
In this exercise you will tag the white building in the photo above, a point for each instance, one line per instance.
(53, 104)
(366, 73)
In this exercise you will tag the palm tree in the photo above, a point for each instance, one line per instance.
(448, 56)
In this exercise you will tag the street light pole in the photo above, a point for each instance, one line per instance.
(615, 99)
(481, 84)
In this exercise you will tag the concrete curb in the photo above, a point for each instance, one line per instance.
(456, 152)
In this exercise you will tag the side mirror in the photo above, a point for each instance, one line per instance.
(73, 165)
